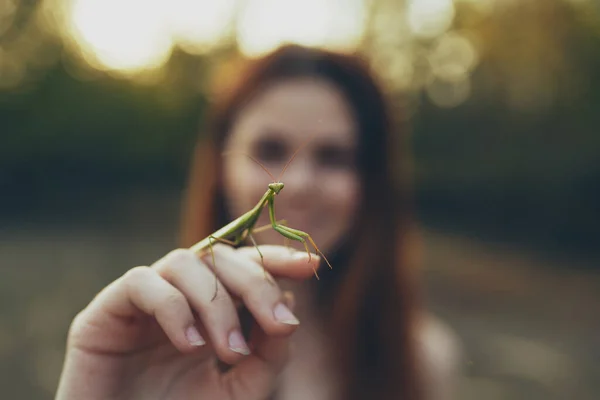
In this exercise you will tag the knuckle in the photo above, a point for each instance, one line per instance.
(176, 261)
(172, 301)
(181, 256)
(80, 329)
(221, 299)
(77, 325)
(220, 251)
(257, 282)
(222, 247)
(136, 274)
(260, 290)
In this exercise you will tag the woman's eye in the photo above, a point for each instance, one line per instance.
(270, 151)
(335, 157)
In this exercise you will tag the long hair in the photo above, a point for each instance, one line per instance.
(369, 301)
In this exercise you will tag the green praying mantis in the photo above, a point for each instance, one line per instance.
(238, 230)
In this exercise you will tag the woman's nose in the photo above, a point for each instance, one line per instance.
(299, 179)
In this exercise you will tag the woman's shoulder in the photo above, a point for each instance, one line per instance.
(439, 356)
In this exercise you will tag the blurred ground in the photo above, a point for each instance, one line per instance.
(528, 325)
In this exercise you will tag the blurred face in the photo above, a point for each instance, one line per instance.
(321, 193)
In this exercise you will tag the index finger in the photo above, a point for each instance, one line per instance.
(282, 262)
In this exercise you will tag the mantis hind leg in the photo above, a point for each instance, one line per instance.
(291, 234)
(305, 235)
(267, 226)
(281, 222)
(286, 240)
(294, 234)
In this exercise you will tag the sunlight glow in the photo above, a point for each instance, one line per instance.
(430, 18)
(8, 10)
(448, 94)
(135, 35)
(198, 25)
(126, 35)
(453, 57)
(485, 6)
(266, 24)
(132, 36)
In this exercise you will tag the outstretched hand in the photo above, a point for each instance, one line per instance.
(156, 333)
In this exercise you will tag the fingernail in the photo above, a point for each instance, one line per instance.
(284, 315)
(193, 336)
(237, 343)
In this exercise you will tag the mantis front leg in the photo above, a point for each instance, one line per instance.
(286, 241)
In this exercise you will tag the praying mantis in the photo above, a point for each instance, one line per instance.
(242, 227)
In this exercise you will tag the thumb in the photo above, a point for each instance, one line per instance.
(255, 376)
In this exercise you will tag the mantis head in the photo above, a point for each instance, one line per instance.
(276, 187)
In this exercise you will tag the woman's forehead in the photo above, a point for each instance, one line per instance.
(298, 108)
(314, 96)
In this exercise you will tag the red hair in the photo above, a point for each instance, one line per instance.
(369, 300)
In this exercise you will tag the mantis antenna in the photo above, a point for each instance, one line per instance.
(294, 155)
(229, 153)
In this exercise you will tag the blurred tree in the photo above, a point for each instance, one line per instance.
(501, 96)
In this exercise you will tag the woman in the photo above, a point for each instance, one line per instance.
(157, 333)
